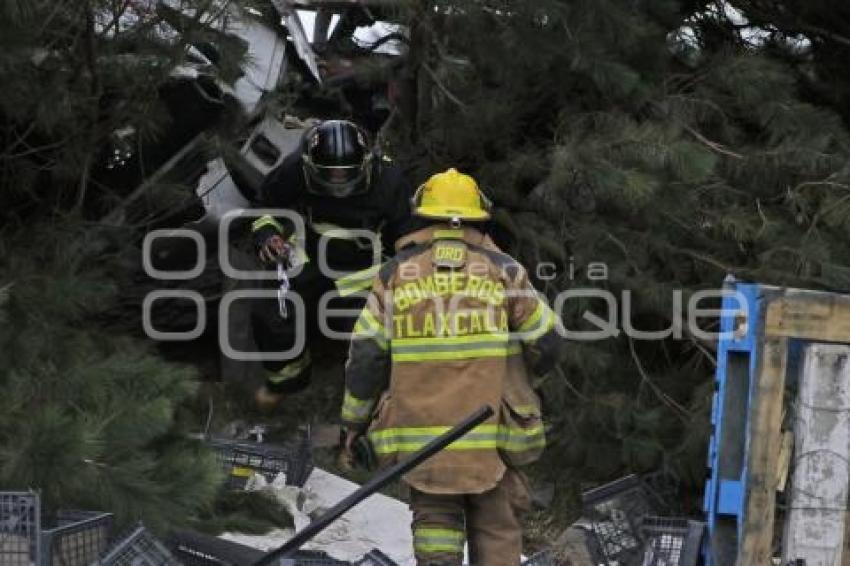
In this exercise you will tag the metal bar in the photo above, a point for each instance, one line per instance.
(376, 483)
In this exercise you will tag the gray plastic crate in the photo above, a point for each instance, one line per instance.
(20, 528)
(671, 541)
(77, 539)
(140, 548)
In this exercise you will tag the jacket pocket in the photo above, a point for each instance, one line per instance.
(521, 435)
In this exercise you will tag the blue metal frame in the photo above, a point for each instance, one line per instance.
(726, 497)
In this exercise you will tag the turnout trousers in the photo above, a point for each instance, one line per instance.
(275, 334)
(489, 522)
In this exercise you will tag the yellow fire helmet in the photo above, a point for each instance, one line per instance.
(451, 196)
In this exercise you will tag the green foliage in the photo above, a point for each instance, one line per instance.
(608, 131)
(252, 512)
(87, 414)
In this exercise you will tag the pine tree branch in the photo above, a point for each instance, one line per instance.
(443, 87)
(712, 145)
(832, 184)
(824, 213)
(678, 409)
(581, 396)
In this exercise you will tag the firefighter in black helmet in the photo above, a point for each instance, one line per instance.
(340, 186)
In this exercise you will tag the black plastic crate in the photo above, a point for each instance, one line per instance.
(312, 558)
(375, 558)
(20, 528)
(542, 558)
(78, 538)
(671, 541)
(241, 460)
(193, 548)
(139, 548)
(616, 511)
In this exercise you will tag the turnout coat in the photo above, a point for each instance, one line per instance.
(451, 323)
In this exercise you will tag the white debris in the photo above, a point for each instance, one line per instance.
(378, 522)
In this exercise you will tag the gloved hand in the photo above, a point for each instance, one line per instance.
(347, 459)
(275, 248)
(267, 401)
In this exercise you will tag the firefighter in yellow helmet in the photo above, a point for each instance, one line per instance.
(452, 323)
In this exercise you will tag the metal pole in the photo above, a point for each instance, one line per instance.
(376, 483)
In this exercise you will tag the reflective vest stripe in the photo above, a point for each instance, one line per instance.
(291, 370)
(497, 338)
(541, 321)
(356, 410)
(448, 234)
(335, 231)
(368, 326)
(483, 437)
(266, 221)
(454, 348)
(447, 355)
(433, 539)
(357, 281)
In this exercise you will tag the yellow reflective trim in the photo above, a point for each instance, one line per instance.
(356, 410)
(335, 231)
(266, 220)
(439, 532)
(541, 321)
(483, 437)
(357, 281)
(448, 234)
(526, 410)
(291, 370)
(368, 326)
(348, 290)
(535, 317)
(437, 547)
(456, 355)
(452, 340)
(367, 316)
(432, 539)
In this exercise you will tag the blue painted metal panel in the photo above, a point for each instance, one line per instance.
(730, 497)
(724, 497)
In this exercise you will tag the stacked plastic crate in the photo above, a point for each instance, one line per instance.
(627, 531)
(71, 538)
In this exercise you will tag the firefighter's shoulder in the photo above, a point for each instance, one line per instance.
(505, 263)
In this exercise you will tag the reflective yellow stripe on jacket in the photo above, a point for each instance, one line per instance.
(541, 321)
(496, 345)
(368, 326)
(357, 281)
(356, 410)
(482, 437)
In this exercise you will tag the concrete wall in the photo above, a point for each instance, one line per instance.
(817, 496)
